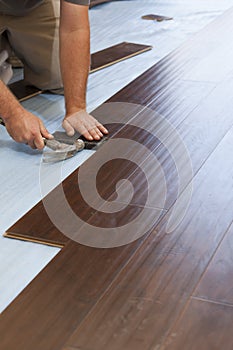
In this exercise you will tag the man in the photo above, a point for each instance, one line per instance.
(47, 37)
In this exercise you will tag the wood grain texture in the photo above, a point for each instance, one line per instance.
(204, 326)
(61, 296)
(116, 53)
(216, 283)
(132, 297)
(147, 297)
(180, 104)
(36, 224)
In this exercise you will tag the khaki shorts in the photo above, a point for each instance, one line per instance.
(34, 38)
(6, 72)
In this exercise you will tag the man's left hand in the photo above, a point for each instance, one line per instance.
(85, 124)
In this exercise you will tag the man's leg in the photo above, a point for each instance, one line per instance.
(34, 38)
(6, 72)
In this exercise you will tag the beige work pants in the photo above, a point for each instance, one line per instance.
(35, 40)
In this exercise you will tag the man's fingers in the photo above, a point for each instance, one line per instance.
(99, 132)
(44, 132)
(38, 142)
(85, 124)
(68, 128)
(96, 133)
(31, 144)
(87, 135)
(102, 129)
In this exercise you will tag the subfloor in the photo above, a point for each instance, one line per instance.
(21, 261)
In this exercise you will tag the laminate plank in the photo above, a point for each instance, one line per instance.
(38, 230)
(197, 133)
(204, 326)
(148, 296)
(158, 18)
(61, 295)
(37, 225)
(116, 53)
(23, 92)
(216, 283)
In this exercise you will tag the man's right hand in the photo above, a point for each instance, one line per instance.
(22, 125)
(27, 128)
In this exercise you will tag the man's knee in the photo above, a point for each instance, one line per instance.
(6, 72)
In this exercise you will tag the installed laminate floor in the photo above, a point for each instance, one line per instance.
(171, 287)
(20, 262)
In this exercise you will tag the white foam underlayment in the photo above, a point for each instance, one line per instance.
(111, 23)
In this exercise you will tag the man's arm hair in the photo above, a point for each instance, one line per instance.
(9, 105)
(74, 54)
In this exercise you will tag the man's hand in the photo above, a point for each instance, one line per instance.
(22, 125)
(85, 124)
(27, 128)
(75, 65)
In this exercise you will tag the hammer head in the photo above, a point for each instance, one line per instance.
(65, 147)
(61, 136)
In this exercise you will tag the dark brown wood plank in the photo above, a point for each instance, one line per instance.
(197, 132)
(158, 18)
(23, 92)
(116, 53)
(62, 294)
(36, 224)
(216, 284)
(38, 230)
(204, 326)
(149, 294)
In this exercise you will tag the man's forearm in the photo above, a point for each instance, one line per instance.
(9, 106)
(75, 64)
